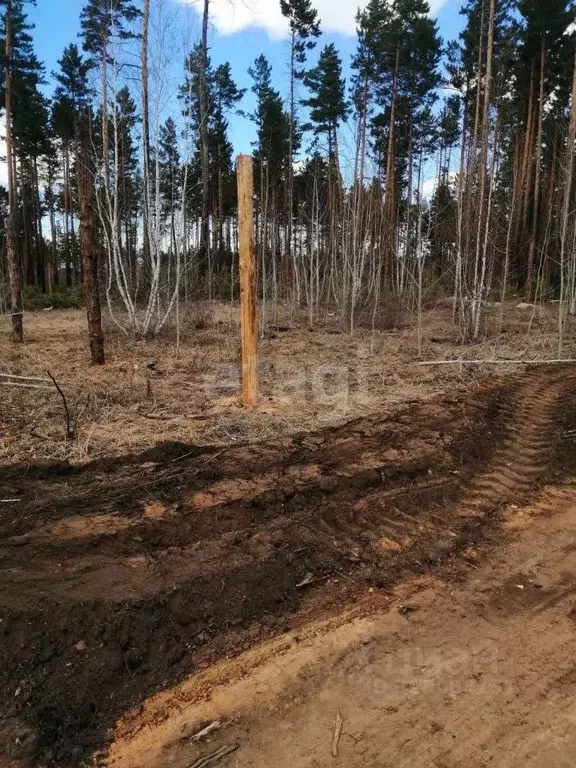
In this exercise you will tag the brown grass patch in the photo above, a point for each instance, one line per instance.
(151, 392)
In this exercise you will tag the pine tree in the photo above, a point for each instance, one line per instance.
(20, 75)
(72, 82)
(126, 166)
(170, 175)
(304, 27)
(223, 98)
(449, 130)
(328, 106)
(203, 105)
(70, 113)
(397, 64)
(271, 155)
(272, 125)
(101, 22)
(32, 142)
(543, 81)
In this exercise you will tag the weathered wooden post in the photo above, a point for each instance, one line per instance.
(248, 323)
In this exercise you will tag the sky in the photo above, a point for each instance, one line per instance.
(240, 31)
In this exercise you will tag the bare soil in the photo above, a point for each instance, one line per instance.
(126, 577)
(474, 674)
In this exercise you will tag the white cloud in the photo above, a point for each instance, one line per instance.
(230, 16)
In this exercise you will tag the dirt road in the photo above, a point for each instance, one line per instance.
(476, 675)
(380, 569)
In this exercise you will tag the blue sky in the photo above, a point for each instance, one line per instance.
(241, 30)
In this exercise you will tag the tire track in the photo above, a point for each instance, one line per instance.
(528, 426)
(526, 449)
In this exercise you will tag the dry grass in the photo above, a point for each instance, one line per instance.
(150, 391)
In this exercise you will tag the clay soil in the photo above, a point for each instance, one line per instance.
(139, 591)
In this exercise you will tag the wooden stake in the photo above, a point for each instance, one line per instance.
(248, 323)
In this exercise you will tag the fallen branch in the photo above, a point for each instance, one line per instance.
(212, 458)
(70, 432)
(23, 386)
(215, 726)
(184, 456)
(215, 757)
(165, 478)
(12, 314)
(337, 733)
(311, 579)
(10, 501)
(495, 362)
(23, 378)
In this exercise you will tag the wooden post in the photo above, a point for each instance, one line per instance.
(248, 323)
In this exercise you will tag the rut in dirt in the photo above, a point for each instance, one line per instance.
(119, 581)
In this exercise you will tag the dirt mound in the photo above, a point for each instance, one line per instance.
(119, 579)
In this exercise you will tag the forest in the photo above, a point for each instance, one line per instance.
(121, 189)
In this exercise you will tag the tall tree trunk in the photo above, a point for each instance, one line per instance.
(534, 232)
(290, 168)
(89, 260)
(525, 183)
(68, 213)
(14, 262)
(390, 193)
(566, 193)
(480, 259)
(28, 272)
(53, 277)
(40, 260)
(105, 125)
(203, 104)
(467, 217)
(481, 256)
(146, 127)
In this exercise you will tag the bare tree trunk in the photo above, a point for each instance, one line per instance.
(290, 179)
(480, 259)
(53, 277)
(105, 126)
(146, 127)
(567, 197)
(525, 182)
(68, 212)
(511, 217)
(467, 217)
(90, 261)
(40, 260)
(390, 193)
(458, 277)
(534, 233)
(203, 104)
(14, 265)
